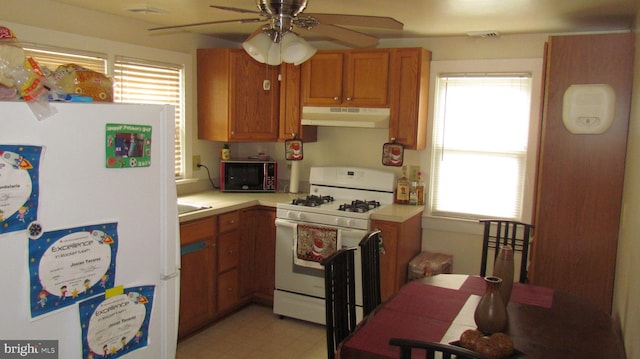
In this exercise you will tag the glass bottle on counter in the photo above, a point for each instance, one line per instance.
(403, 188)
(420, 189)
(413, 193)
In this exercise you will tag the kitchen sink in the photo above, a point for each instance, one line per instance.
(188, 207)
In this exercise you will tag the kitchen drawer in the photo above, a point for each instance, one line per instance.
(227, 290)
(198, 230)
(228, 221)
(228, 251)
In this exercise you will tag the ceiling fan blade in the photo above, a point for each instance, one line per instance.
(242, 21)
(244, 11)
(359, 20)
(353, 38)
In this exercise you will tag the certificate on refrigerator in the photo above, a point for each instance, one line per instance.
(114, 325)
(19, 190)
(69, 265)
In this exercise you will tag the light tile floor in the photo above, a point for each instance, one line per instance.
(255, 332)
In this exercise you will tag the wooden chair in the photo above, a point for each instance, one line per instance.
(370, 257)
(431, 348)
(499, 232)
(340, 297)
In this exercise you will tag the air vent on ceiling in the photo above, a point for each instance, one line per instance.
(144, 9)
(483, 34)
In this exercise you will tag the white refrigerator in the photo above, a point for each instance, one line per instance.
(89, 244)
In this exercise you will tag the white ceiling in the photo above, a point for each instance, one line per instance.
(421, 18)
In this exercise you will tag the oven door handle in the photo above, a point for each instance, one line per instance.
(286, 223)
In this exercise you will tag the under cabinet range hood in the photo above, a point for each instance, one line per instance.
(346, 117)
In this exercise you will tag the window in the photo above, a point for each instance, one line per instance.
(482, 149)
(135, 81)
(138, 81)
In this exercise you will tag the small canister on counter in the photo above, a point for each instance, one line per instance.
(225, 153)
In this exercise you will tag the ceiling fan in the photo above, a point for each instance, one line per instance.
(281, 17)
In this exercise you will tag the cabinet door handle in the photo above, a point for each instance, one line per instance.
(229, 289)
(336, 98)
(230, 251)
(348, 98)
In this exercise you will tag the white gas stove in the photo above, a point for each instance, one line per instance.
(341, 200)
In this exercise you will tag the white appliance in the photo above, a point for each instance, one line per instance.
(76, 188)
(341, 198)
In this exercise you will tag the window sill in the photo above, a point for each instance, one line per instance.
(451, 225)
(186, 181)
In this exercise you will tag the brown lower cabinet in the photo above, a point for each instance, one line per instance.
(225, 265)
(263, 235)
(402, 242)
(197, 274)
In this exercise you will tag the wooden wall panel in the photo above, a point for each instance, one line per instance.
(581, 176)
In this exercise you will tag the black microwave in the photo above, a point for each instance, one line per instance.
(248, 176)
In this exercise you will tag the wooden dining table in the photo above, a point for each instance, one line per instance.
(542, 323)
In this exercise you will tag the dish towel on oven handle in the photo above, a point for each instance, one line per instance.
(311, 244)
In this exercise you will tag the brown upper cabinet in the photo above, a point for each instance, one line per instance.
(238, 97)
(409, 78)
(346, 78)
(291, 108)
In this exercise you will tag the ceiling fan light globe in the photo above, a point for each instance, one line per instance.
(274, 58)
(295, 49)
(258, 47)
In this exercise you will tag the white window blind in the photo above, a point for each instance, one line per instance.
(52, 58)
(481, 125)
(139, 81)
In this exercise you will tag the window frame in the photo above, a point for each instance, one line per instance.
(441, 221)
(126, 61)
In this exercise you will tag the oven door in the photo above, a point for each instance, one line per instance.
(300, 289)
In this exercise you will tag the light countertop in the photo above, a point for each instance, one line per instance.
(222, 202)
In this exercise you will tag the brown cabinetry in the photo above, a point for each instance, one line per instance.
(238, 97)
(580, 177)
(409, 77)
(258, 227)
(197, 275)
(228, 260)
(291, 106)
(347, 78)
(402, 242)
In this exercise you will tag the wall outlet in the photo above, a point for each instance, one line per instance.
(195, 162)
(413, 172)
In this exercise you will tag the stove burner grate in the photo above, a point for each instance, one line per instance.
(359, 206)
(312, 201)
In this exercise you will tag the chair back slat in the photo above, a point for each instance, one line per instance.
(340, 297)
(370, 259)
(500, 232)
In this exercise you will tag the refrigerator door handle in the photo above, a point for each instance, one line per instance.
(169, 276)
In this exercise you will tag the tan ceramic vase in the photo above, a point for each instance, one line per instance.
(503, 268)
(491, 313)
